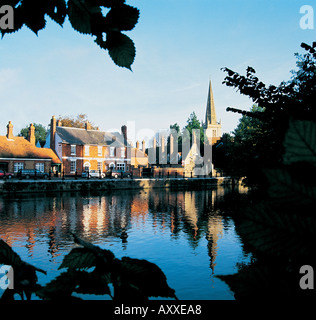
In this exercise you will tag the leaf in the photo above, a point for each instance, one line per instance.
(8, 256)
(93, 283)
(122, 18)
(64, 285)
(61, 287)
(256, 281)
(57, 11)
(278, 234)
(78, 258)
(121, 49)
(33, 14)
(300, 142)
(79, 16)
(146, 277)
(104, 255)
(288, 191)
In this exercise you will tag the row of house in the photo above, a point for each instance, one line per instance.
(19, 153)
(74, 150)
(70, 150)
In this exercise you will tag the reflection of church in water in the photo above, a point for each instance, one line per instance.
(100, 219)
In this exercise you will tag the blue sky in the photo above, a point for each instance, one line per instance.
(180, 44)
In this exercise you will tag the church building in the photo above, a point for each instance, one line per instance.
(210, 118)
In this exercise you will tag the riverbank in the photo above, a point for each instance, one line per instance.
(37, 186)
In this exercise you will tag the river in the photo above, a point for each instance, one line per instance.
(186, 233)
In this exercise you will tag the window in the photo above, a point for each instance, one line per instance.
(112, 165)
(120, 166)
(112, 151)
(73, 149)
(39, 167)
(18, 166)
(214, 133)
(86, 150)
(86, 166)
(100, 166)
(122, 152)
(100, 151)
(73, 166)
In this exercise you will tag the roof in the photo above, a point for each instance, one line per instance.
(138, 157)
(19, 147)
(90, 137)
(210, 117)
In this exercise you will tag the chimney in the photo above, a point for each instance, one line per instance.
(152, 159)
(143, 146)
(155, 144)
(171, 144)
(162, 151)
(194, 140)
(31, 135)
(173, 148)
(52, 132)
(87, 125)
(10, 130)
(162, 144)
(137, 145)
(124, 132)
(59, 124)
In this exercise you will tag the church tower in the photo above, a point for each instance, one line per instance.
(214, 128)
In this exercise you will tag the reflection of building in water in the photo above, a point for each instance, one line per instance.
(187, 215)
(191, 212)
(31, 219)
(214, 233)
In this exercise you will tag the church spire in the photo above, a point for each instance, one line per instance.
(210, 117)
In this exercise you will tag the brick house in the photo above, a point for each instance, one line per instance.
(19, 153)
(86, 149)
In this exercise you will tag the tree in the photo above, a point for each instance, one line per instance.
(86, 17)
(194, 123)
(278, 226)
(292, 99)
(40, 133)
(76, 122)
(175, 127)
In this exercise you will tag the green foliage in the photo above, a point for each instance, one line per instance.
(86, 17)
(175, 127)
(300, 142)
(40, 133)
(194, 123)
(280, 230)
(90, 270)
(258, 141)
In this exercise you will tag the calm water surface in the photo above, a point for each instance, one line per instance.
(183, 232)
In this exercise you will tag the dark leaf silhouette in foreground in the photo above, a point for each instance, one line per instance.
(86, 17)
(25, 278)
(90, 270)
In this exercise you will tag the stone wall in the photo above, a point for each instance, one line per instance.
(46, 186)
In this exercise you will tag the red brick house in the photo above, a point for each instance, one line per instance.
(19, 153)
(83, 149)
